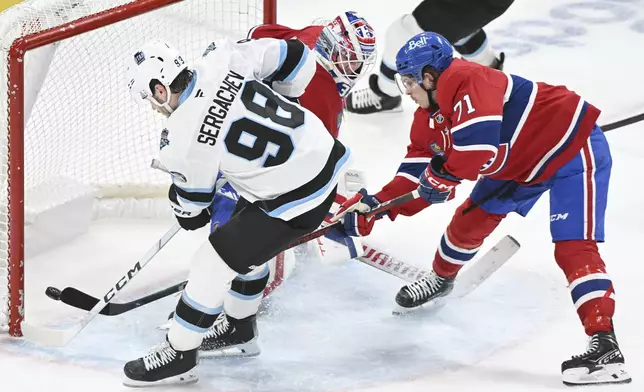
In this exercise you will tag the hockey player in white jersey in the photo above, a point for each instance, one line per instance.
(232, 113)
(347, 36)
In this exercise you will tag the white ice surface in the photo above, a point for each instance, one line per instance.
(330, 328)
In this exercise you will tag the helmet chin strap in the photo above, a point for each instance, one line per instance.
(166, 104)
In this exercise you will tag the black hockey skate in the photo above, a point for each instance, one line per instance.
(162, 366)
(602, 363)
(372, 100)
(230, 337)
(422, 291)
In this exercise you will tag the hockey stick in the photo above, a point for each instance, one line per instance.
(383, 207)
(60, 337)
(622, 123)
(81, 300)
(477, 272)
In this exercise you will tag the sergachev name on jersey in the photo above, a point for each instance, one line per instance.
(218, 111)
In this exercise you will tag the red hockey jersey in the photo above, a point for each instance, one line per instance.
(507, 127)
(321, 96)
(493, 124)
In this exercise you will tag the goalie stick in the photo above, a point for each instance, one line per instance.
(60, 337)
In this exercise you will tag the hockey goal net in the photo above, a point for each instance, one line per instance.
(69, 132)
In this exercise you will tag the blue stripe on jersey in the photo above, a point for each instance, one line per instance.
(283, 50)
(564, 146)
(201, 197)
(460, 257)
(196, 190)
(202, 204)
(305, 55)
(589, 287)
(514, 108)
(414, 169)
(285, 207)
(485, 132)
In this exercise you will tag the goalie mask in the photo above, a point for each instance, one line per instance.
(346, 47)
(154, 61)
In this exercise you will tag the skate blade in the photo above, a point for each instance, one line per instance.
(608, 374)
(248, 349)
(189, 377)
(431, 306)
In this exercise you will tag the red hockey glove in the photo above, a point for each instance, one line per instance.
(353, 210)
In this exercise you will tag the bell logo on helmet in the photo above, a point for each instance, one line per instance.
(419, 43)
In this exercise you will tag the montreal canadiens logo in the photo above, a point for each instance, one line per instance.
(364, 32)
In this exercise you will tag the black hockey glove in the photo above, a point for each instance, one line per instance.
(187, 220)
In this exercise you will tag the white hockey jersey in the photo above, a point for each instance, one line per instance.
(270, 149)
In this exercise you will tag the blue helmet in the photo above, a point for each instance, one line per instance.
(424, 49)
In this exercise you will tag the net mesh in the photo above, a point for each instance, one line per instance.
(83, 132)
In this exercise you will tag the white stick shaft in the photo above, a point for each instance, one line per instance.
(61, 337)
(480, 269)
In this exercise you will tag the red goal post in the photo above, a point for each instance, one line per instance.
(49, 152)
